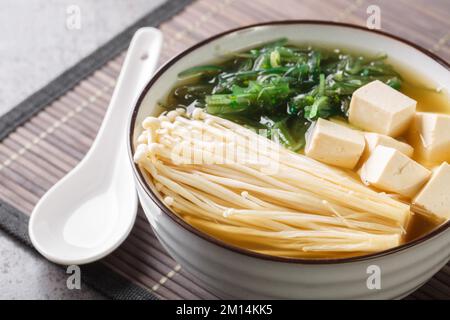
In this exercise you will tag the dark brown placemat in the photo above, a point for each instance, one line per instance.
(39, 145)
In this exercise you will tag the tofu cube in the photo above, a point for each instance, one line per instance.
(374, 140)
(334, 144)
(390, 170)
(430, 135)
(379, 108)
(434, 198)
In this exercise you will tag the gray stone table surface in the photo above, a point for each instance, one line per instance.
(39, 39)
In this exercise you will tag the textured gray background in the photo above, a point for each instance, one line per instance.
(36, 46)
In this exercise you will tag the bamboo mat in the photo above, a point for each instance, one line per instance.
(46, 146)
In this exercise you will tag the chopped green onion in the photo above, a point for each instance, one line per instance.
(275, 59)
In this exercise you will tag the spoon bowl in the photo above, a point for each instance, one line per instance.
(91, 211)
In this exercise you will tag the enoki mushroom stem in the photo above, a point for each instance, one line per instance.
(264, 197)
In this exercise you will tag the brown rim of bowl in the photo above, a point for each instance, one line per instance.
(137, 172)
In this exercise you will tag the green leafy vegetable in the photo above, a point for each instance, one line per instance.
(281, 87)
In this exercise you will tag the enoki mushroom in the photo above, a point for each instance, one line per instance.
(246, 190)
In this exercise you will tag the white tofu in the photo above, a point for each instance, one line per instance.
(430, 135)
(375, 139)
(434, 198)
(390, 170)
(379, 108)
(334, 144)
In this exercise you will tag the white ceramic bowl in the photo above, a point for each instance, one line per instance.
(231, 272)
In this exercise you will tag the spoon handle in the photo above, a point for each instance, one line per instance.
(139, 65)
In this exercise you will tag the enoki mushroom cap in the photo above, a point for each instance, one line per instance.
(151, 123)
(172, 115)
(198, 114)
(140, 153)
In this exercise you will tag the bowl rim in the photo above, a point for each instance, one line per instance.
(180, 222)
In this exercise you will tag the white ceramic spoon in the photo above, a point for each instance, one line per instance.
(89, 212)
